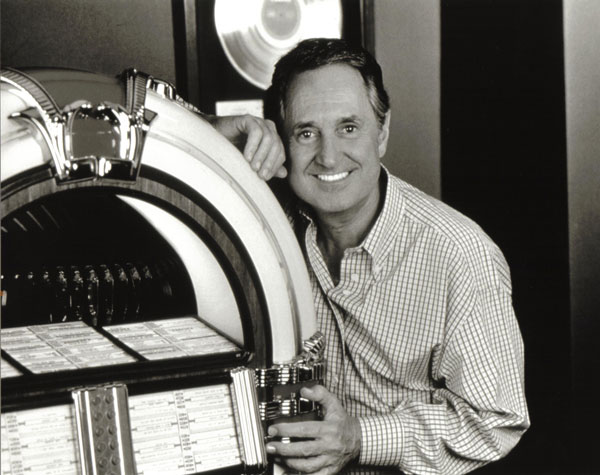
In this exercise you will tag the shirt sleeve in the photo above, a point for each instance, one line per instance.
(478, 413)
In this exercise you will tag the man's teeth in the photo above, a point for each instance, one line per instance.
(336, 177)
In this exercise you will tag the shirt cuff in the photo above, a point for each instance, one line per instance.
(381, 440)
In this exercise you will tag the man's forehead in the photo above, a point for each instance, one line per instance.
(331, 76)
(336, 85)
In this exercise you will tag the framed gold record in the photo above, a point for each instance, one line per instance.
(254, 34)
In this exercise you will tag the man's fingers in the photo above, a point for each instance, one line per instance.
(328, 401)
(296, 449)
(281, 172)
(308, 429)
(263, 148)
(259, 161)
(254, 135)
(273, 161)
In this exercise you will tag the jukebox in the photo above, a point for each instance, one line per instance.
(156, 312)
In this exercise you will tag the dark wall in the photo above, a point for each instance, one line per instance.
(504, 165)
(407, 46)
(104, 37)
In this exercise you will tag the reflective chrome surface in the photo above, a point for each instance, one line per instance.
(89, 141)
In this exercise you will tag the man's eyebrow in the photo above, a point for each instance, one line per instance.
(302, 125)
(342, 120)
(350, 118)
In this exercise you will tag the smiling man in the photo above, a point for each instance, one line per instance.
(424, 354)
(335, 143)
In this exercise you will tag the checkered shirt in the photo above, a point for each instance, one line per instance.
(422, 342)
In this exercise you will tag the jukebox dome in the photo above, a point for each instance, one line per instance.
(150, 281)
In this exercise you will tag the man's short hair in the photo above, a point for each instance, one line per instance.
(317, 52)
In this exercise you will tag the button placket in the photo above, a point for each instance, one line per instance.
(349, 278)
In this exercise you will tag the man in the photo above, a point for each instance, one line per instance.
(424, 354)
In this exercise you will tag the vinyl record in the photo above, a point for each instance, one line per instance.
(256, 33)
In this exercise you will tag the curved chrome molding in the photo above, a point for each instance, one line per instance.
(114, 133)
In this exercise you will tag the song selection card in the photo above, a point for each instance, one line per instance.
(171, 338)
(40, 442)
(174, 433)
(59, 347)
(184, 431)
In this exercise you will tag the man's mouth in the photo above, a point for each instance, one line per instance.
(334, 177)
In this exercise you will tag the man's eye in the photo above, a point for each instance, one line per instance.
(305, 134)
(348, 129)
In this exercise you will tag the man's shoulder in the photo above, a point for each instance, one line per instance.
(462, 237)
(434, 214)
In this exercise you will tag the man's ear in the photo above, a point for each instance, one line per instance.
(384, 134)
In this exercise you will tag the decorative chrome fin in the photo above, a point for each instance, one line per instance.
(306, 367)
(295, 405)
(89, 141)
(313, 349)
(103, 430)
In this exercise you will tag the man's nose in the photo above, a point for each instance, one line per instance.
(328, 153)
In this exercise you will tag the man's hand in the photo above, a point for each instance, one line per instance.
(336, 439)
(257, 139)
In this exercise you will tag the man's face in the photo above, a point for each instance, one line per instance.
(334, 141)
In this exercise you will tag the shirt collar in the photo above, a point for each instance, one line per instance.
(380, 239)
(382, 235)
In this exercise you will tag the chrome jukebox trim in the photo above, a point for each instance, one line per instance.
(289, 374)
(294, 405)
(313, 349)
(104, 430)
(250, 431)
(127, 128)
(308, 366)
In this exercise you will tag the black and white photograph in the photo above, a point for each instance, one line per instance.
(293, 237)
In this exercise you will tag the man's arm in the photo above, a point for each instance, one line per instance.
(476, 416)
(479, 413)
(257, 139)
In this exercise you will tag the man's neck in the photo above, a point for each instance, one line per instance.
(340, 231)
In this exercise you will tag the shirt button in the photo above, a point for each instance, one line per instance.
(346, 292)
(354, 277)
